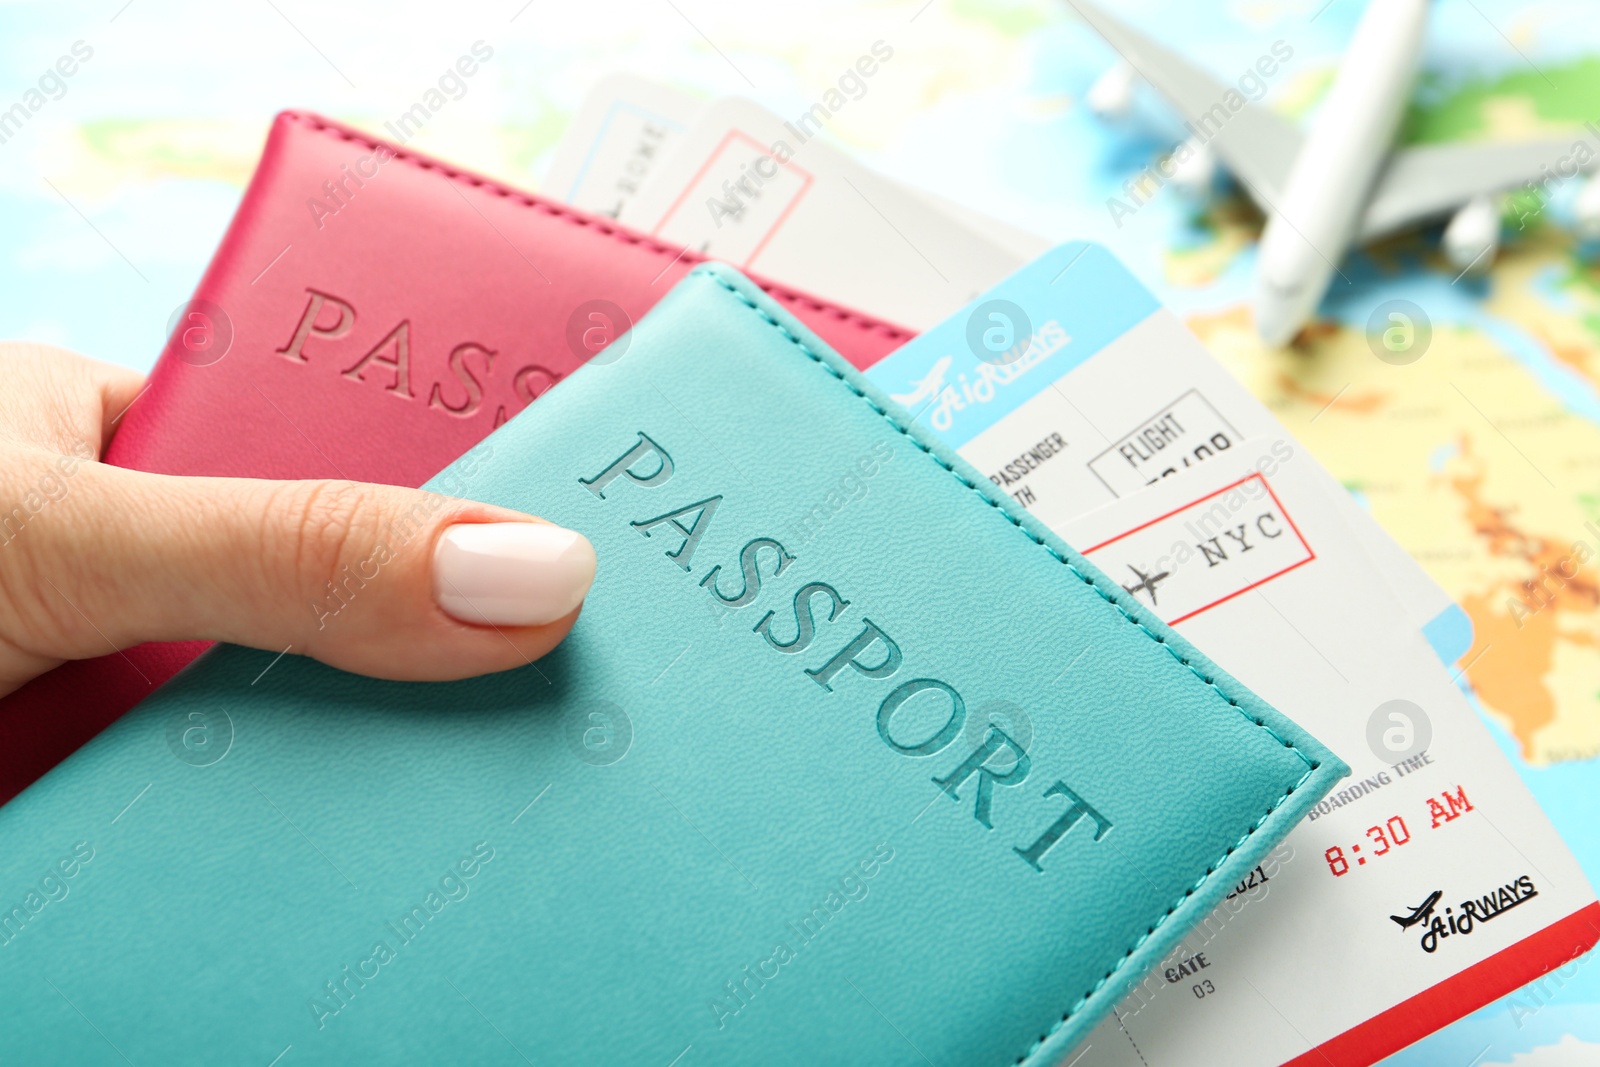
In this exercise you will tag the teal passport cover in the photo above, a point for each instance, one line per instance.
(847, 760)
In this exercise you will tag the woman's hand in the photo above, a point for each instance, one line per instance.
(391, 582)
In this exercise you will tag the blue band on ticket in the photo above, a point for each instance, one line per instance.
(975, 368)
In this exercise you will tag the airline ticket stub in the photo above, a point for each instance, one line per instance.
(770, 196)
(1070, 387)
(1429, 875)
(1423, 884)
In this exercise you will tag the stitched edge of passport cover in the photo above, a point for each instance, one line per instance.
(1058, 1032)
(615, 231)
(103, 682)
(1285, 812)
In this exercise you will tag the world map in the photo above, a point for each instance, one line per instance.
(1481, 457)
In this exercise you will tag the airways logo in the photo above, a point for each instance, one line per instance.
(387, 364)
(997, 760)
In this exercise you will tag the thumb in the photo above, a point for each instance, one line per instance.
(391, 582)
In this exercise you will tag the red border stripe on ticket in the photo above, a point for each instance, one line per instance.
(1459, 995)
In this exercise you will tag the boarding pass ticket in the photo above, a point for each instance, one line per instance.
(1070, 386)
(1420, 880)
(1086, 401)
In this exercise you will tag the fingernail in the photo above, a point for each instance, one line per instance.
(511, 573)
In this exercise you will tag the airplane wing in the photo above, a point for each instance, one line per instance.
(1418, 185)
(1257, 145)
(1430, 181)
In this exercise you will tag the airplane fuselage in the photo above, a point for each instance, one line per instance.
(1313, 223)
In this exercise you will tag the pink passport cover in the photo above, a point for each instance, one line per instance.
(370, 314)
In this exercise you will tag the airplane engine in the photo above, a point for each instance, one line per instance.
(1587, 210)
(1196, 172)
(1473, 235)
(1111, 95)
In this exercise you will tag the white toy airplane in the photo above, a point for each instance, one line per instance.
(1341, 182)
